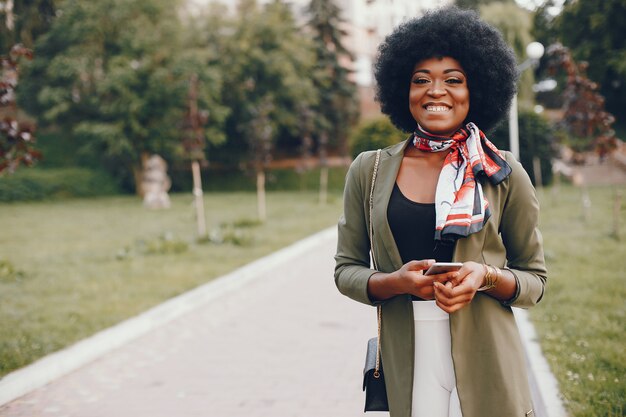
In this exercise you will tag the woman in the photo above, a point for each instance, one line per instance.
(450, 345)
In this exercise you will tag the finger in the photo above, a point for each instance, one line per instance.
(461, 275)
(447, 295)
(445, 277)
(460, 300)
(447, 308)
(420, 265)
(451, 305)
(464, 287)
(444, 290)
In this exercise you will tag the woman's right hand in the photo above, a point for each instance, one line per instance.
(409, 279)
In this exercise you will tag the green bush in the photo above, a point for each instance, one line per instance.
(536, 139)
(284, 179)
(38, 184)
(374, 134)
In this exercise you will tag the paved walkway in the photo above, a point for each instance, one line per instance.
(286, 344)
(278, 341)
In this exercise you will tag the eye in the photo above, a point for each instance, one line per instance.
(454, 81)
(420, 80)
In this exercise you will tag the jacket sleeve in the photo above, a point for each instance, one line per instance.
(522, 238)
(352, 268)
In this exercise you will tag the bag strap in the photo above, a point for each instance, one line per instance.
(371, 203)
(371, 235)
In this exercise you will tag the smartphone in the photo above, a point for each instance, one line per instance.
(443, 267)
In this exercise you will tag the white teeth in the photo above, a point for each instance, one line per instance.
(437, 108)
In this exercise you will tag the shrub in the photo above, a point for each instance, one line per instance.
(536, 139)
(40, 184)
(374, 134)
(283, 179)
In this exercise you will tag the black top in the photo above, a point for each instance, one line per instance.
(413, 228)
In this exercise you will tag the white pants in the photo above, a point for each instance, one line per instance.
(434, 382)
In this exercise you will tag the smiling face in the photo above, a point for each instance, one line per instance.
(439, 98)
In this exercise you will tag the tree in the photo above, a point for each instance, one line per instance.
(267, 64)
(594, 32)
(25, 21)
(16, 136)
(515, 24)
(337, 110)
(587, 125)
(338, 104)
(115, 73)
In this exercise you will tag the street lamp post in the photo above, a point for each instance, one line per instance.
(534, 51)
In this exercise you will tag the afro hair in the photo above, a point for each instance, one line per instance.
(488, 62)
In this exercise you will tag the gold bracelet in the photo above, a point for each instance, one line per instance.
(489, 281)
(497, 275)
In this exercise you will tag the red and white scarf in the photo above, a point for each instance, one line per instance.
(460, 205)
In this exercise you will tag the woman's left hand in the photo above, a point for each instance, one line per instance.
(457, 293)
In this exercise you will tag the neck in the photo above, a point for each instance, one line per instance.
(424, 132)
(433, 157)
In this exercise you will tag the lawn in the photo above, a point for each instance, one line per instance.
(71, 268)
(581, 319)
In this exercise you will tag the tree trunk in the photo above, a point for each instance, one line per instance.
(10, 18)
(260, 194)
(198, 198)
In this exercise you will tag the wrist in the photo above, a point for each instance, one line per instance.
(490, 278)
(396, 283)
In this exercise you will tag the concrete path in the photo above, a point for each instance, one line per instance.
(286, 344)
(278, 341)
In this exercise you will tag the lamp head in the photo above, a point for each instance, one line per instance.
(534, 50)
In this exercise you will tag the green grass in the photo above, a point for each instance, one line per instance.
(581, 319)
(71, 268)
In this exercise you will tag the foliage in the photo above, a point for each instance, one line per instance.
(42, 184)
(24, 21)
(115, 73)
(374, 134)
(536, 137)
(580, 320)
(86, 270)
(515, 24)
(266, 61)
(585, 122)
(276, 179)
(337, 109)
(594, 32)
(16, 136)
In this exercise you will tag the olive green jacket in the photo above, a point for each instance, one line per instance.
(486, 347)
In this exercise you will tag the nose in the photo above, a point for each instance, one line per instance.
(436, 89)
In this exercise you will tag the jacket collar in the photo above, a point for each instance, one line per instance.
(397, 150)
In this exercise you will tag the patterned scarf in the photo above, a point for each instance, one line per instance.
(460, 205)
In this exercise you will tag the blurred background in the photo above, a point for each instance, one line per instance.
(149, 146)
